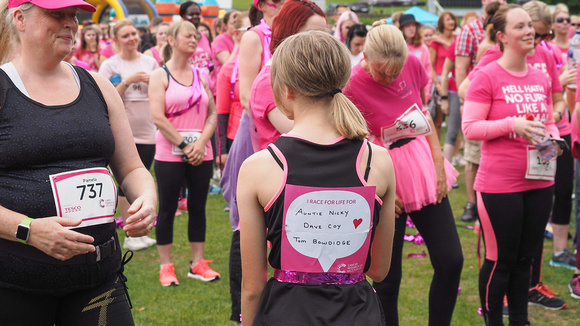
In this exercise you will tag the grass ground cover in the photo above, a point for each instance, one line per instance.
(197, 303)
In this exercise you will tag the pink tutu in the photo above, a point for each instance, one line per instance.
(416, 176)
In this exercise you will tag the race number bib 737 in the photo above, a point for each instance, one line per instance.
(412, 123)
(89, 195)
(536, 170)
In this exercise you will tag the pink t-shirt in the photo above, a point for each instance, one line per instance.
(201, 59)
(492, 105)
(452, 86)
(108, 51)
(188, 121)
(387, 103)
(82, 64)
(225, 103)
(441, 51)
(541, 59)
(422, 52)
(222, 42)
(261, 103)
(136, 97)
(88, 57)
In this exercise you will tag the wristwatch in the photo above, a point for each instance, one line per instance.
(23, 231)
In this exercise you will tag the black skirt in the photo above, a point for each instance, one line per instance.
(314, 304)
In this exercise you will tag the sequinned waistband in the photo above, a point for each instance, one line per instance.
(318, 278)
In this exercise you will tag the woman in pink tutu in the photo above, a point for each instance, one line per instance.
(388, 86)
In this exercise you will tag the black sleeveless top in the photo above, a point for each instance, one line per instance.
(287, 303)
(36, 141)
(315, 165)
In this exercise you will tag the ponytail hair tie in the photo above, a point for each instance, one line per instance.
(336, 90)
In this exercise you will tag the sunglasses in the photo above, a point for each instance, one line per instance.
(575, 24)
(544, 37)
(562, 19)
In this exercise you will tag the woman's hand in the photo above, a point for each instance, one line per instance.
(138, 77)
(142, 217)
(445, 106)
(568, 77)
(50, 236)
(528, 129)
(441, 179)
(222, 161)
(399, 207)
(195, 152)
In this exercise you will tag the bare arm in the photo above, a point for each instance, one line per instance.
(438, 159)
(559, 106)
(433, 57)
(461, 68)
(252, 237)
(382, 175)
(447, 66)
(280, 121)
(157, 87)
(195, 151)
(251, 55)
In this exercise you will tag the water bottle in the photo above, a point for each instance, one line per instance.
(546, 148)
(574, 54)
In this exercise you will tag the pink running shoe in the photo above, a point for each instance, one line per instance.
(201, 271)
(167, 275)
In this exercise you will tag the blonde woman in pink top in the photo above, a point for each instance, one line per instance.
(161, 38)
(129, 72)
(514, 186)
(388, 87)
(184, 112)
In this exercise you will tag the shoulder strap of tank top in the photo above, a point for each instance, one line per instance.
(166, 71)
(368, 169)
(275, 157)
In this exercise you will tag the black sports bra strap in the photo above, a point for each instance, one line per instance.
(275, 157)
(368, 169)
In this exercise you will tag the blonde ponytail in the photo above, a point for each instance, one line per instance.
(316, 65)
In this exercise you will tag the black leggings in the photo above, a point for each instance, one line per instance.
(236, 277)
(170, 176)
(103, 305)
(436, 224)
(513, 226)
(563, 188)
(146, 154)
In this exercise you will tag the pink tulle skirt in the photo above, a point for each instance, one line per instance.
(416, 175)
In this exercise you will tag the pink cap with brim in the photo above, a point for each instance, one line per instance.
(54, 4)
(256, 3)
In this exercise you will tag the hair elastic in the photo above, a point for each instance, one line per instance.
(336, 90)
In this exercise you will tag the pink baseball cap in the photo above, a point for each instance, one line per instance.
(256, 3)
(54, 4)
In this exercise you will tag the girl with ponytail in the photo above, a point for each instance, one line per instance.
(323, 164)
(388, 86)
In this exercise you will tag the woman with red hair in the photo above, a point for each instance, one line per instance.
(295, 17)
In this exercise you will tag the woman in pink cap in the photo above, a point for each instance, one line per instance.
(61, 127)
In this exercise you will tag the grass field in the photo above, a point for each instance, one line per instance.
(197, 303)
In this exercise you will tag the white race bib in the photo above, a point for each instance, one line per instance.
(536, 170)
(89, 195)
(412, 123)
(190, 137)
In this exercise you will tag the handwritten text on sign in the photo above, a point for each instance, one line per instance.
(327, 225)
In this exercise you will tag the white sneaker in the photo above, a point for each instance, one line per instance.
(148, 241)
(134, 244)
